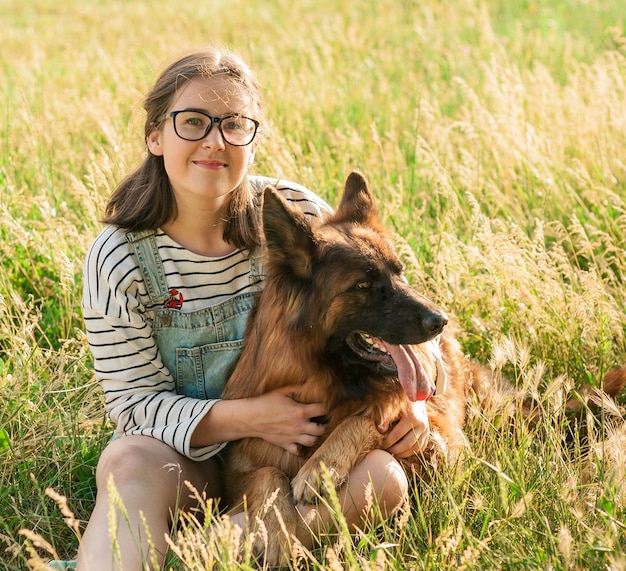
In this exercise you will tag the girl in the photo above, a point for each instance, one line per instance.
(168, 285)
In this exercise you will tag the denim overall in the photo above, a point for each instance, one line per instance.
(199, 348)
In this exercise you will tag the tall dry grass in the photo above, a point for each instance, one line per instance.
(493, 135)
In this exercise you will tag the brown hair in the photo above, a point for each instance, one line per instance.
(144, 199)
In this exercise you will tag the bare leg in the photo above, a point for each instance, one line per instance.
(378, 479)
(149, 477)
(378, 484)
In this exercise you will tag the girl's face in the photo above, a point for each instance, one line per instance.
(208, 169)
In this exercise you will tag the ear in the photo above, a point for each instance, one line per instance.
(357, 203)
(288, 235)
(153, 141)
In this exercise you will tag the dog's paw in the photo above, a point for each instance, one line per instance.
(309, 484)
(306, 487)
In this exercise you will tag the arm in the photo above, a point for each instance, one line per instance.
(139, 390)
(275, 417)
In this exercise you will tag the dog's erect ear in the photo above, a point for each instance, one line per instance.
(357, 203)
(288, 235)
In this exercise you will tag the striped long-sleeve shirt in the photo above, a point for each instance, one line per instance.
(139, 391)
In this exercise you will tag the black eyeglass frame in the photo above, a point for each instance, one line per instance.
(213, 121)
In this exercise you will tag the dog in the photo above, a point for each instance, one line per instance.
(338, 319)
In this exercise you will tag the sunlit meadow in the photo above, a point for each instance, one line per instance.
(494, 136)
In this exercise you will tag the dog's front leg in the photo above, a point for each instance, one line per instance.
(340, 452)
(269, 502)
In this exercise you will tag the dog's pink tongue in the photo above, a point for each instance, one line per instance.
(411, 374)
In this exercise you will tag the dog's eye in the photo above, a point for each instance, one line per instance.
(365, 284)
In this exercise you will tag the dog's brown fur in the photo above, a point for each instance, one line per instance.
(325, 282)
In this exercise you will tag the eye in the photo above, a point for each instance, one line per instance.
(194, 121)
(365, 284)
(233, 123)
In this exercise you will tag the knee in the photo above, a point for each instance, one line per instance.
(388, 480)
(133, 461)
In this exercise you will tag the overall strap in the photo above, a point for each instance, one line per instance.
(257, 270)
(150, 264)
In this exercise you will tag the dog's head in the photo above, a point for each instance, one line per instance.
(345, 279)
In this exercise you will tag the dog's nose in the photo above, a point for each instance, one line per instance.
(435, 323)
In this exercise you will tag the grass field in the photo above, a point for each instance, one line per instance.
(494, 136)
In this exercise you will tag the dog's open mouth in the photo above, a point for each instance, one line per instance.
(399, 359)
(371, 349)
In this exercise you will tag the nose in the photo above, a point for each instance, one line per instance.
(214, 138)
(435, 322)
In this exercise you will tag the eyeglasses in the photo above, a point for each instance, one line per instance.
(236, 130)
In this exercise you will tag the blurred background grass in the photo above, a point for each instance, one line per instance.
(493, 135)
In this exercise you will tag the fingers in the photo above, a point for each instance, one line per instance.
(307, 410)
(307, 440)
(291, 424)
(407, 437)
(315, 428)
(314, 410)
(311, 433)
(409, 445)
(287, 390)
(292, 448)
(306, 413)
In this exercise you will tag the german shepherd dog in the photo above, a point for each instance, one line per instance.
(338, 319)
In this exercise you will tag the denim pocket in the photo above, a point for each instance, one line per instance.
(202, 372)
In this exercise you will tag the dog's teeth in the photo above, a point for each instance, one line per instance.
(369, 341)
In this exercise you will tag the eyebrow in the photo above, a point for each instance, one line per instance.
(205, 112)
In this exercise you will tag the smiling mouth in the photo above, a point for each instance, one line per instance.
(210, 164)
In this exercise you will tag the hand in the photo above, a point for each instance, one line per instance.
(283, 421)
(410, 434)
